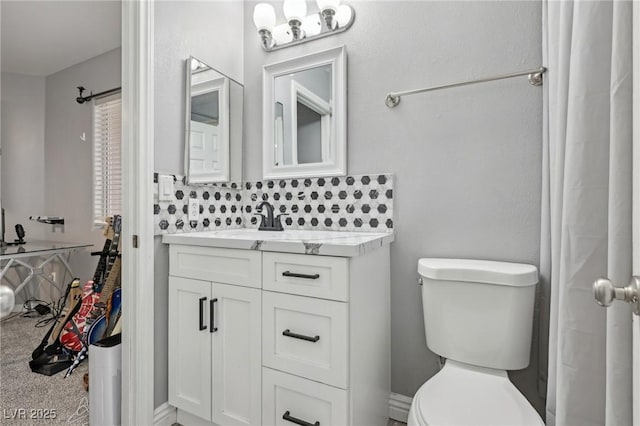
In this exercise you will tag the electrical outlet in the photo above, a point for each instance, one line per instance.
(194, 209)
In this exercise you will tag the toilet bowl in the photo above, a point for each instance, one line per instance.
(478, 315)
(462, 394)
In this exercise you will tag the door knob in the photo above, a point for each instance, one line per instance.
(605, 293)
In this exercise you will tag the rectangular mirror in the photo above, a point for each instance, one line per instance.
(304, 116)
(213, 125)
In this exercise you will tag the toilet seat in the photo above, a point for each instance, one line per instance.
(462, 394)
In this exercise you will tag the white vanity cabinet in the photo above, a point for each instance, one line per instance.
(214, 335)
(301, 339)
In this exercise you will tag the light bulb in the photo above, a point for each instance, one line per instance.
(264, 16)
(344, 15)
(294, 9)
(328, 9)
(311, 25)
(328, 4)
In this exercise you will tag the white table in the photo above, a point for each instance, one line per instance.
(34, 256)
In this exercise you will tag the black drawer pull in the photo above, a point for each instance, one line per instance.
(212, 315)
(295, 275)
(288, 333)
(286, 416)
(201, 323)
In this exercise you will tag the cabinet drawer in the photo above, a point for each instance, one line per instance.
(315, 276)
(227, 266)
(307, 337)
(284, 395)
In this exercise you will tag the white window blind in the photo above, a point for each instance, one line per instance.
(107, 167)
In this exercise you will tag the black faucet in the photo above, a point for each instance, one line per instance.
(269, 222)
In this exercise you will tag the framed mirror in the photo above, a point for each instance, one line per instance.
(213, 125)
(305, 116)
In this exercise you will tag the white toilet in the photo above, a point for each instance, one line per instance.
(478, 315)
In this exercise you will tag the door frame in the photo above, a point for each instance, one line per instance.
(137, 257)
(636, 204)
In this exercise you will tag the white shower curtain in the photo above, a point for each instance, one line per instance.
(586, 220)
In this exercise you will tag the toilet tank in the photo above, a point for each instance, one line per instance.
(479, 312)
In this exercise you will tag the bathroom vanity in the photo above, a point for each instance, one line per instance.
(281, 328)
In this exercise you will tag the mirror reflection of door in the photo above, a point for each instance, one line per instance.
(207, 125)
(312, 125)
(309, 135)
(303, 114)
(204, 136)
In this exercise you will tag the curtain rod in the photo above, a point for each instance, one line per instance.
(80, 99)
(535, 79)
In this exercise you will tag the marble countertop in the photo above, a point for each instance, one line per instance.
(326, 243)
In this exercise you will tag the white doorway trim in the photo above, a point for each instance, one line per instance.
(137, 263)
(636, 204)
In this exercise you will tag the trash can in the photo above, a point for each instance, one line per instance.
(105, 381)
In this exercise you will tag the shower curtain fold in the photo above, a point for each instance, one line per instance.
(586, 217)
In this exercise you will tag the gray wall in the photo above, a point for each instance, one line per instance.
(467, 161)
(213, 33)
(23, 158)
(23, 111)
(46, 167)
(68, 176)
(210, 31)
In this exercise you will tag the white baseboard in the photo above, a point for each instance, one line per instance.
(399, 406)
(165, 415)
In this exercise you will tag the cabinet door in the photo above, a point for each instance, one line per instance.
(190, 346)
(236, 355)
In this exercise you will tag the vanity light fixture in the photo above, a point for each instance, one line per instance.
(332, 18)
(295, 11)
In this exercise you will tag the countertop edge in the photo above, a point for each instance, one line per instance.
(296, 247)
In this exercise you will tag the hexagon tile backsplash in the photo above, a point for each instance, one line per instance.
(351, 203)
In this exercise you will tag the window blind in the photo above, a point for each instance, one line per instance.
(107, 164)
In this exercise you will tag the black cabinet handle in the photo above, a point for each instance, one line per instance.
(286, 416)
(293, 274)
(201, 323)
(212, 315)
(288, 333)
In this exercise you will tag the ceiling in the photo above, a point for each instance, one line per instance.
(40, 38)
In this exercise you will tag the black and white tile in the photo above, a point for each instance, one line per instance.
(352, 203)
(220, 208)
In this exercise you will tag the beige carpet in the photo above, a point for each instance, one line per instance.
(26, 397)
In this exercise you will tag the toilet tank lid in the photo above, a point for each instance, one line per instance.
(481, 271)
